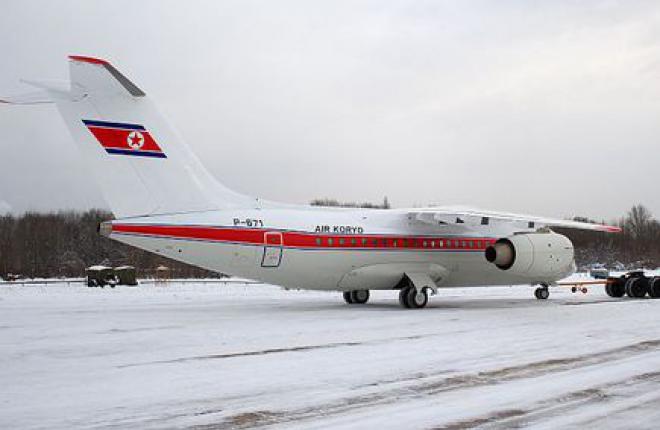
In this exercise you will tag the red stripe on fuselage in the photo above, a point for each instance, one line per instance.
(294, 239)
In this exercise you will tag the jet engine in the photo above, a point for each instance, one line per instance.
(546, 254)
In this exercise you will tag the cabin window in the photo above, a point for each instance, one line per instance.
(341, 242)
(353, 242)
(425, 244)
(330, 241)
(374, 242)
(405, 243)
(394, 243)
(433, 244)
(364, 241)
(318, 241)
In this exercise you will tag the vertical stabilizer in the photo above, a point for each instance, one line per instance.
(141, 164)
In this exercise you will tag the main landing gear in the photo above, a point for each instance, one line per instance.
(356, 297)
(411, 298)
(542, 292)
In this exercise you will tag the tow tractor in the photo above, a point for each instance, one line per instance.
(635, 284)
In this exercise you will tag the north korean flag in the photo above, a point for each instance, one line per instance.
(124, 139)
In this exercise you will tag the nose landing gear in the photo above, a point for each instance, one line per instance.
(542, 292)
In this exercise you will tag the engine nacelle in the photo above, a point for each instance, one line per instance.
(533, 255)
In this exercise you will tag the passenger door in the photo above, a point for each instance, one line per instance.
(272, 249)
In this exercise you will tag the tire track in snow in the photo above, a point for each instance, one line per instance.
(291, 349)
(553, 407)
(311, 347)
(433, 384)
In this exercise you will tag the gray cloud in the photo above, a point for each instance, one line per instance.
(542, 107)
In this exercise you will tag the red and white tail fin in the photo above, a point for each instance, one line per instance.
(141, 164)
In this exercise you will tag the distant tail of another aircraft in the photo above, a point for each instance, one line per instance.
(141, 164)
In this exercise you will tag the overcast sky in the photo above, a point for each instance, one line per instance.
(544, 107)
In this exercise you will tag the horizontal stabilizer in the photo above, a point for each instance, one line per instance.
(31, 98)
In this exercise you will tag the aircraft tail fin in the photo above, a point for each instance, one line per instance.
(141, 164)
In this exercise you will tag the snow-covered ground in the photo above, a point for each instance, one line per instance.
(207, 356)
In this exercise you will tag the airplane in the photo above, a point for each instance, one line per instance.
(165, 201)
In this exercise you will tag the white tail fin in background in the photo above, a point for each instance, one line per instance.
(140, 163)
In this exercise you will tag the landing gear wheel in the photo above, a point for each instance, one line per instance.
(654, 287)
(359, 296)
(403, 297)
(348, 297)
(636, 288)
(416, 299)
(542, 293)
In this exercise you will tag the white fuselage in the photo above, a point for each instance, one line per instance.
(325, 249)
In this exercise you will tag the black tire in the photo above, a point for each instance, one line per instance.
(636, 288)
(403, 297)
(617, 287)
(417, 299)
(360, 296)
(542, 293)
(348, 298)
(654, 287)
(608, 290)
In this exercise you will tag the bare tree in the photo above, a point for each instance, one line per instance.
(638, 222)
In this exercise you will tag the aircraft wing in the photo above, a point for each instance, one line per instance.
(466, 217)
